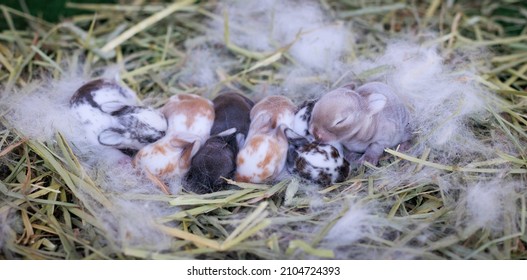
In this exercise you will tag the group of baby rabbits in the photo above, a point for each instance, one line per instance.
(205, 142)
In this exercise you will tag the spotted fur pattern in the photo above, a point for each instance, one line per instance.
(100, 91)
(111, 116)
(303, 117)
(320, 163)
(189, 114)
(190, 119)
(279, 110)
(168, 157)
(263, 156)
(136, 127)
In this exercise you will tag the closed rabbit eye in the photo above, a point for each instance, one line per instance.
(341, 121)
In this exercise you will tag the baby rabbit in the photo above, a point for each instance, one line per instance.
(190, 119)
(263, 156)
(136, 127)
(104, 95)
(303, 117)
(168, 157)
(217, 157)
(213, 162)
(365, 120)
(314, 161)
(231, 110)
(279, 110)
(189, 114)
(111, 116)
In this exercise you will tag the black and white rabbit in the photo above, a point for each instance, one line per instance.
(320, 163)
(136, 127)
(303, 117)
(111, 115)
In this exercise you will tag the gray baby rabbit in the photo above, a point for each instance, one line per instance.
(364, 120)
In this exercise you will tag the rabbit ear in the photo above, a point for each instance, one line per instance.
(240, 139)
(294, 138)
(177, 143)
(184, 143)
(291, 134)
(112, 107)
(230, 136)
(111, 137)
(188, 153)
(372, 95)
(292, 155)
(376, 102)
(195, 148)
(351, 86)
(227, 132)
(261, 123)
(295, 141)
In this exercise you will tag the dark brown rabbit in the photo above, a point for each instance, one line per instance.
(217, 157)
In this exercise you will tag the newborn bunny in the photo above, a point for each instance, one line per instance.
(366, 120)
(104, 95)
(136, 127)
(264, 153)
(190, 119)
(314, 161)
(217, 157)
(189, 114)
(303, 117)
(231, 110)
(279, 110)
(168, 157)
(111, 116)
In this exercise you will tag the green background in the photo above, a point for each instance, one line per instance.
(49, 10)
(55, 10)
